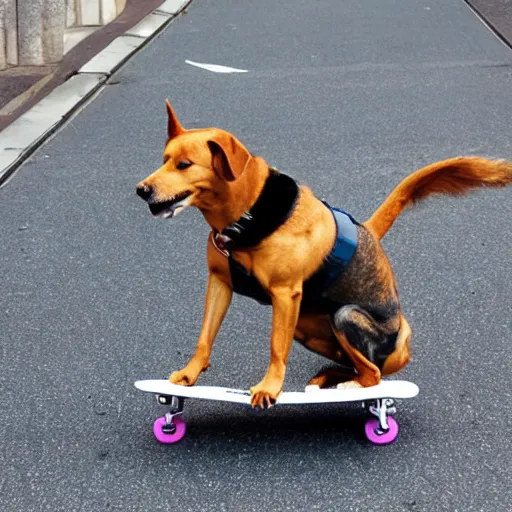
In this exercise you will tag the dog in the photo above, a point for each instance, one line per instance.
(326, 276)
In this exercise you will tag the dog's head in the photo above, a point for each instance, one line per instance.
(198, 168)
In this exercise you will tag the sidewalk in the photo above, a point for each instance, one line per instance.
(22, 87)
(49, 100)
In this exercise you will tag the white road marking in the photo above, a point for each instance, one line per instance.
(216, 68)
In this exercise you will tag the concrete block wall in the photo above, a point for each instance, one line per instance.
(32, 31)
(93, 12)
(8, 33)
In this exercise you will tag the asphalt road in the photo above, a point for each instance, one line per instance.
(347, 96)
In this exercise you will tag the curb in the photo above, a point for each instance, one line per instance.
(25, 134)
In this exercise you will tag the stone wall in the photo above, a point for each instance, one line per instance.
(8, 33)
(32, 31)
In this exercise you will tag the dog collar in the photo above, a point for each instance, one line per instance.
(270, 211)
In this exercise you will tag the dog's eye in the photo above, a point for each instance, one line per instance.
(183, 164)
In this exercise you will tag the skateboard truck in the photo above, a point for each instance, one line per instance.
(176, 403)
(380, 408)
(384, 429)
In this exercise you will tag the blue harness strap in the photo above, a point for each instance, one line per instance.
(337, 260)
(346, 243)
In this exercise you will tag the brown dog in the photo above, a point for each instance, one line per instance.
(276, 242)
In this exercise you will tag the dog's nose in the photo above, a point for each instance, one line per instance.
(144, 191)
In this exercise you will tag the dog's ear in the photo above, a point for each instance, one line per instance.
(229, 156)
(174, 127)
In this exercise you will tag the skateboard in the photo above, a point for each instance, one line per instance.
(377, 400)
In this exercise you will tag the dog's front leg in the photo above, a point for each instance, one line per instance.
(218, 298)
(285, 312)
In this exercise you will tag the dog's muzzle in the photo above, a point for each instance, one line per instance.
(144, 191)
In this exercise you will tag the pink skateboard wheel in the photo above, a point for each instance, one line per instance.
(376, 436)
(169, 438)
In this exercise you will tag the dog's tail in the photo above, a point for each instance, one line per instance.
(454, 176)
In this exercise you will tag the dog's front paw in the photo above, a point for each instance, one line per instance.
(188, 376)
(182, 378)
(265, 395)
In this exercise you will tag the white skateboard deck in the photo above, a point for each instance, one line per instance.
(386, 389)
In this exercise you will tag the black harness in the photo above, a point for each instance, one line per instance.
(271, 210)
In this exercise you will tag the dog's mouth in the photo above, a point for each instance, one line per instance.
(169, 209)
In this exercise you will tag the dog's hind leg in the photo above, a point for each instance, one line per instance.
(366, 341)
(332, 376)
(314, 332)
(400, 356)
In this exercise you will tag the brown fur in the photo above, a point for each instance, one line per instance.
(455, 176)
(367, 333)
